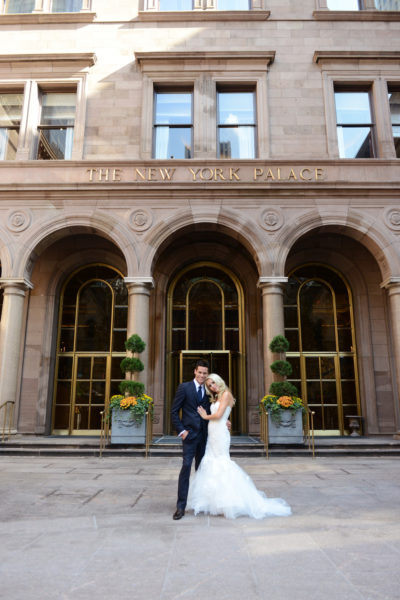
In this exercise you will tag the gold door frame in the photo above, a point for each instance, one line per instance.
(241, 404)
(75, 355)
(337, 354)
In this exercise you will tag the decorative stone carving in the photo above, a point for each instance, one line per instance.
(392, 218)
(271, 219)
(19, 220)
(140, 219)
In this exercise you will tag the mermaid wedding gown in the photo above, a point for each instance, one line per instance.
(221, 487)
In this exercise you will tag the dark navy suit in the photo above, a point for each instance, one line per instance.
(194, 444)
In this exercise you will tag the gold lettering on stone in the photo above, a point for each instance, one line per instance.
(303, 176)
(233, 174)
(292, 175)
(218, 174)
(209, 172)
(167, 174)
(116, 174)
(194, 173)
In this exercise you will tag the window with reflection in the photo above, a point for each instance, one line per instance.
(66, 5)
(236, 124)
(19, 6)
(90, 347)
(387, 4)
(394, 104)
(319, 327)
(232, 4)
(10, 120)
(173, 124)
(56, 129)
(178, 5)
(175, 5)
(354, 123)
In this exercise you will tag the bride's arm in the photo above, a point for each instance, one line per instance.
(223, 403)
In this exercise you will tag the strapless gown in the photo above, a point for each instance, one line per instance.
(221, 487)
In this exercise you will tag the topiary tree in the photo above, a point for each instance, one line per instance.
(283, 368)
(131, 366)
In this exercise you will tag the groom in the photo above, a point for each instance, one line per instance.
(191, 428)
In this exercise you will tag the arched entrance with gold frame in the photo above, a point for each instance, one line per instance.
(205, 319)
(90, 346)
(319, 324)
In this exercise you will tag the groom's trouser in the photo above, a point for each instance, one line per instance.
(193, 448)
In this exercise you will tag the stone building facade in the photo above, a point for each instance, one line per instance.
(206, 174)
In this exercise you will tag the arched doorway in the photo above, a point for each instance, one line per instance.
(319, 325)
(206, 320)
(90, 346)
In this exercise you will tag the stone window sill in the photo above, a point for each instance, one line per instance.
(34, 18)
(203, 15)
(356, 15)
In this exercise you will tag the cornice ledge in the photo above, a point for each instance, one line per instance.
(88, 58)
(356, 15)
(321, 55)
(38, 18)
(146, 57)
(390, 281)
(203, 15)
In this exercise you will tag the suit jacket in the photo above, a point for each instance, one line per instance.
(186, 399)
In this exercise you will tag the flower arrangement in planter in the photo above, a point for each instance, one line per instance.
(127, 410)
(282, 399)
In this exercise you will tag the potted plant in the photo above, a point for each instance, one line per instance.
(284, 407)
(128, 409)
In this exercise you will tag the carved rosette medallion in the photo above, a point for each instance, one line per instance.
(19, 220)
(271, 219)
(140, 219)
(392, 219)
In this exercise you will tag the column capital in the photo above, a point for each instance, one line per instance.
(139, 281)
(22, 284)
(278, 280)
(391, 282)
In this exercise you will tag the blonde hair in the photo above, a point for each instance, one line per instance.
(221, 385)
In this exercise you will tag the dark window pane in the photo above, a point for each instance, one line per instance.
(345, 339)
(81, 417)
(328, 367)
(232, 339)
(312, 367)
(205, 317)
(120, 317)
(95, 417)
(119, 339)
(179, 340)
(292, 335)
(82, 392)
(355, 142)
(291, 316)
(61, 417)
(98, 392)
(116, 372)
(347, 367)
(173, 142)
(67, 339)
(331, 418)
(317, 322)
(329, 392)
(99, 367)
(295, 362)
(179, 317)
(65, 367)
(94, 317)
(63, 392)
(348, 392)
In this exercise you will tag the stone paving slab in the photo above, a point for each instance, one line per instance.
(83, 528)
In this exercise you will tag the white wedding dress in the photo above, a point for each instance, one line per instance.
(221, 487)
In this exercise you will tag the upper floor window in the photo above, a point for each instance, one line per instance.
(363, 4)
(56, 128)
(55, 6)
(173, 124)
(19, 6)
(178, 5)
(394, 103)
(10, 120)
(354, 124)
(236, 124)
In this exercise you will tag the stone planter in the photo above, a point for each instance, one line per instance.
(124, 430)
(290, 429)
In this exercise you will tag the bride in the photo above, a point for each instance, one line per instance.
(220, 486)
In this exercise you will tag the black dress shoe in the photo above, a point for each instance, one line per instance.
(178, 514)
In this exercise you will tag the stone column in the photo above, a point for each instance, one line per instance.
(392, 286)
(11, 343)
(139, 289)
(273, 320)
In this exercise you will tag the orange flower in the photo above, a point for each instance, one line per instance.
(285, 401)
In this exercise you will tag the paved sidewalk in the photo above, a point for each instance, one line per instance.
(90, 528)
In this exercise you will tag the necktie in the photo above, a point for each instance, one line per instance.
(199, 395)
